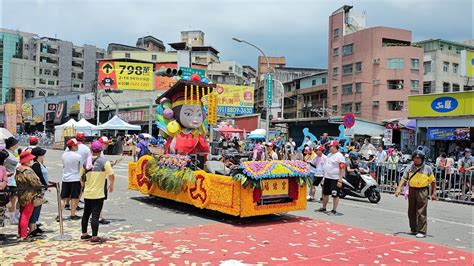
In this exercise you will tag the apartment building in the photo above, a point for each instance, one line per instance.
(441, 64)
(371, 70)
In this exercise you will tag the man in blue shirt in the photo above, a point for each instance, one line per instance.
(142, 145)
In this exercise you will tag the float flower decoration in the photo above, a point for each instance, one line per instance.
(170, 172)
(254, 171)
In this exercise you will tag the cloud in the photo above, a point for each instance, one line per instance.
(295, 29)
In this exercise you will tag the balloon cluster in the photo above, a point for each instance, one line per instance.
(196, 78)
(165, 117)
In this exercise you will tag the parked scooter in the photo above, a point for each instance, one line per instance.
(368, 188)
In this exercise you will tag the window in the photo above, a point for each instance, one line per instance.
(335, 71)
(358, 87)
(50, 82)
(153, 57)
(42, 81)
(455, 68)
(426, 87)
(427, 67)
(445, 67)
(456, 87)
(334, 109)
(415, 63)
(347, 69)
(396, 84)
(415, 85)
(55, 73)
(446, 87)
(395, 105)
(41, 71)
(358, 67)
(347, 89)
(313, 82)
(357, 108)
(467, 88)
(127, 55)
(347, 108)
(348, 49)
(336, 32)
(334, 90)
(396, 63)
(47, 72)
(335, 51)
(73, 75)
(323, 80)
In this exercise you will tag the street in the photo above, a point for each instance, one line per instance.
(142, 226)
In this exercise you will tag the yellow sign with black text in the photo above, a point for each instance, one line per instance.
(275, 187)
(125, 75)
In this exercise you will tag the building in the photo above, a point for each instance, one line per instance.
(47, 65)
(226, 72)
(371, 70)
(144, 55)
(441, 64)
(193, 37)
(444, 121)
(250, 75)
(150, 43)
(193, 41)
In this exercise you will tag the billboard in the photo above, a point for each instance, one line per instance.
(438, 105)
(86, 102)
(61, 111)
(164, 83)
(10, 117)
(467, 63)
(234, 99)
(448, 134)
(125, 75)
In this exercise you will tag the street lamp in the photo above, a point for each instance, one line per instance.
(267, 106)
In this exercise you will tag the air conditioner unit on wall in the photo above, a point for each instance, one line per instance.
(376, 82)
(376, 61)
(375, 103)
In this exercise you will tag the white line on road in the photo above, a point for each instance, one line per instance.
(404, 213)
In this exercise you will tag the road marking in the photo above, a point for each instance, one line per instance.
(404, 213)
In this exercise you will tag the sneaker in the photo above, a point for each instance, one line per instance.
(75, 217)
(321, 210)
(26, 239)
(67, 207)
(79, 208)
(86, 237)
(420, 235)
(413, 233)
(333, 212)
(103, 221)
(97, 240)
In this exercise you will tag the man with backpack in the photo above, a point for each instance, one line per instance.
(142, 145)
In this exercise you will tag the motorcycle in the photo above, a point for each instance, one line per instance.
(368, 188)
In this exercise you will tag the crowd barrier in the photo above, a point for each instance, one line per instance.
(451, 184)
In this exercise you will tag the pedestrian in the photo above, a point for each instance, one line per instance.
(33, 141)
(324, 139)
(84, 150)
(258, 152)
(4, 196)
(307, 141)
(142, 146)
(392, 164)
(271, 154)
(11, 163)
(418, 177)
(42, 173)
(380, 158)
(95, 191)
(333, 174)
(466, 168)
(318, 163)
(29, 192)
(71, 179)
(105, 144)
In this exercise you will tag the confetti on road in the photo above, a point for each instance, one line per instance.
(294, 242)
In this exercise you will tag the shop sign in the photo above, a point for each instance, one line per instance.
(10, 117)
(234, 99)
(27, 111)
(392, 125)
(275, 187)
(444, 104)
(131, 116)
(448, 134)
(387, 136)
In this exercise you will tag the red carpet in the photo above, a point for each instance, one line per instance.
(291, 242)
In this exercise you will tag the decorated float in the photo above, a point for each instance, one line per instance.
(183, 173)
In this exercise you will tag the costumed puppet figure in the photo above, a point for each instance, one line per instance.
(181, 117)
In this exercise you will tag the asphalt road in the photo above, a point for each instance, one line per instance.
(450, 224)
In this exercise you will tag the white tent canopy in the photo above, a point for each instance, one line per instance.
(118, 124)
(86, 127)
(59, 130)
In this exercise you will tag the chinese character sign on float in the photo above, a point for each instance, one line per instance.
(235, 99)
(125, 75)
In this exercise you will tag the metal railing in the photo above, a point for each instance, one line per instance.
(43, 140)
(451, 184)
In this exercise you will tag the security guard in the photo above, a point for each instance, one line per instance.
(419, 177)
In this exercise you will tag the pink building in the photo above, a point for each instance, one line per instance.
(371, 71)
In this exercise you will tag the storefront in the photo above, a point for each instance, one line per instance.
(444, 122)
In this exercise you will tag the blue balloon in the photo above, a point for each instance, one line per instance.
(186, 77)
(159, 109)
(205, 80)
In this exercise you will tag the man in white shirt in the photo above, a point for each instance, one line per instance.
(318, 163)
(71, 179)
(333, 174)
(380, 158)
(84, 150)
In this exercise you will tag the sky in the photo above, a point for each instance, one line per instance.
(296, 29)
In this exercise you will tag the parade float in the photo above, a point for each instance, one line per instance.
(183, 173)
